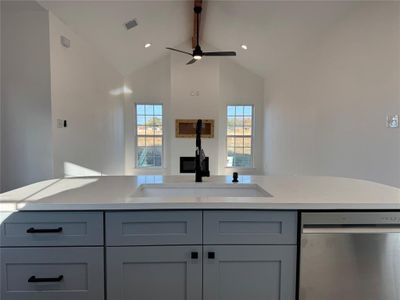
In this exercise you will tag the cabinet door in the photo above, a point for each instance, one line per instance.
(154, 273)
(52, 273)
(249, 272)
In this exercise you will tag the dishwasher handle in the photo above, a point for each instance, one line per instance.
(351, 228)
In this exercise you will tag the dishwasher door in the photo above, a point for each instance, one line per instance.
(350, 256)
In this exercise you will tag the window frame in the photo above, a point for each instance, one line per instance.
(137, 136)
(234, 136)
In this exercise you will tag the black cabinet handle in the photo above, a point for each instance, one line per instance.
(194, 255)
(211, 255)
(54, 230)
(55, 279)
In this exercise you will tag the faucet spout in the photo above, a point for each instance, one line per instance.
(198, 175)
(200, 156)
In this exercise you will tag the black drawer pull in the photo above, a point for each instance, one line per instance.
(55, 230)
(35, 279)
(194, 255)
(211, 255)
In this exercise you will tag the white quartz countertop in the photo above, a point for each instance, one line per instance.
(117, 193)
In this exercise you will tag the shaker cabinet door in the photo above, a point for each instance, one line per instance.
(249, 272)
(154, 273)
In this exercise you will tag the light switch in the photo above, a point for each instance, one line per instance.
(392, 121)
(60, 123)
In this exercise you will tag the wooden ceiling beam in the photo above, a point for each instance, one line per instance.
(197, 3)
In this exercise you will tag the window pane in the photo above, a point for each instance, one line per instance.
(157, 120)
(149, 135)
(141, 120)
(158, 130)
(247, 151)
(238, 130)
(140, 109)
(239, 121)
(247, 121)
(141, 142)
(239, 110)
(231, 111)
(141, 130)
(149, 120)
(248, 110)
(158, 110)
(158, 141)
(149, 109)
(149, 162)
(247, 142)
(238, 142)
(230, 142)
(239, 136)
(157, 161)
(149, 130)
(149, 142)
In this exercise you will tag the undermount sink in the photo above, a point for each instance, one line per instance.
(200, 190)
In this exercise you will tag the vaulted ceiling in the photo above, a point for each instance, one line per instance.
(274, 31)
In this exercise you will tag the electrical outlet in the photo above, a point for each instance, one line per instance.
(392, 121)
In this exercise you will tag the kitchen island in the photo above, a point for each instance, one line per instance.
(166, 237)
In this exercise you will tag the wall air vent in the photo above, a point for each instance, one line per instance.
(131, 24)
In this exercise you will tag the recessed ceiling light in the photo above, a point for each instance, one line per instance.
(244, 47)
(147, 45)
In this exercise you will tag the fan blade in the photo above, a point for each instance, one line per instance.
(192, 61)
(176, 50)
(220, 53)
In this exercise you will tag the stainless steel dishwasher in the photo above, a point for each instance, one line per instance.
(350, 256)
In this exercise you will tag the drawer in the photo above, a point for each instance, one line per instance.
(52, 273)
(153, 228)
(250, 227)
(31, 229)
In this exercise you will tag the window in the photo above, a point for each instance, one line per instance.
(149, 141)
(239, 136)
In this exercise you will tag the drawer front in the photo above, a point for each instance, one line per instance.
(31, 229)
(52, 273)
(153, 228)
(250, 227)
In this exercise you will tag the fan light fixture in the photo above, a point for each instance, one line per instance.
(148, 45)
(244, 47)
(198, 53)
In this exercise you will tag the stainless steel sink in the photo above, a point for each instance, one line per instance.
(200, 190)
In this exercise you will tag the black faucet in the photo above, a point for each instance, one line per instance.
(199, 167)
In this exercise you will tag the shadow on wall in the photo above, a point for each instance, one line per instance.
(74, 170)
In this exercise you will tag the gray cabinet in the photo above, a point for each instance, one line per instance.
(252, 227)
(150, 255)
(153, 228)
(154, 273)
(42, 229)
(45, 256)
(242, 255)
(249, 272)
(52, 273)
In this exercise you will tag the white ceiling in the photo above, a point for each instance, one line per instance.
(273, 30)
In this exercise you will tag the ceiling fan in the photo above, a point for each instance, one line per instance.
(198, 53)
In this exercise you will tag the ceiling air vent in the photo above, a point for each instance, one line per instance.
(130, 24)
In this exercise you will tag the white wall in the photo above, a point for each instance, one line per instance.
(325, 114)
(202, 77)
(170, 81)
(151, 84)
(26, 100)
(81, 86)
(240, 86)
(0, 104)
